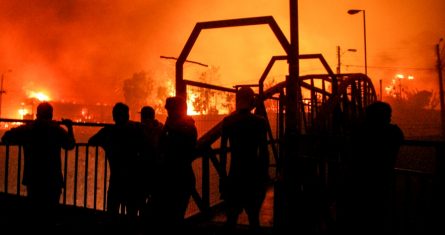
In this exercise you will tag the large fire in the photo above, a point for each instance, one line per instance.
(397, 89)
(39, 95)
(26, 111)
(171, 92)
(190, 108)
(199, 102)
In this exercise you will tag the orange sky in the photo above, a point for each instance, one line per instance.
(82, 50)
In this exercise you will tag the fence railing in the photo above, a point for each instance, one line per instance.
(86, 174)
(84, 168)
(420, 176)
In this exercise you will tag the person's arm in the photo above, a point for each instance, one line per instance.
(69, 142)
(14, 136)
(98, 138)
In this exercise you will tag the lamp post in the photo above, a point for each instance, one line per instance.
(353, 12)
(339, 54)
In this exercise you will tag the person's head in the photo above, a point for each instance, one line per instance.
(245, 99)
(378, 112)
(176, 106)
(121, 113)
(147, 113)
(44, 111)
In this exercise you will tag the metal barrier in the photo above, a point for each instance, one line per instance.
(86, 173)
(84, 168)
(420, 176)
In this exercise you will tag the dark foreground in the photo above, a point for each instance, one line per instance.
(14, 219)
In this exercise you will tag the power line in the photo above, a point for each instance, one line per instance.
(388, 67)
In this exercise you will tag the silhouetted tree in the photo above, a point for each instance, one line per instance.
(136, 90)
(415, 100)
(207, 100)
(420, 99)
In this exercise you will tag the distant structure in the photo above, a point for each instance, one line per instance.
(78, 112)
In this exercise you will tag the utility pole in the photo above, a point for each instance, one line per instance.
(339, 54)
(287, 213)
(1, 93)
(441, 95)
(338, 60)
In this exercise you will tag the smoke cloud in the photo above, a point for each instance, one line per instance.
(82, 51)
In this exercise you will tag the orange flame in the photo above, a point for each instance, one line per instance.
(41, 96)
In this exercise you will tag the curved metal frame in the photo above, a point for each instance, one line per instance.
(268, 20)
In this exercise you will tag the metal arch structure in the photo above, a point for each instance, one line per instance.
(341, 96)
(333, 106)
(312, 115)
(264, 20)
(300, 57)
(327, 111)
(204, 143)
(319, 109)
(337, 112)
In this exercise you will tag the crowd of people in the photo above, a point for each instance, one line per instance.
(151, 175)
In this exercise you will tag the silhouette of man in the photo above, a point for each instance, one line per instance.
(370, 176)
(152, 129)
(42, 140)
(123, 143)
(246, 183)
(176, 177)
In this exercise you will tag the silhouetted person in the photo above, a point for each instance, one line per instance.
(43, 140)
(370, 171)
(152, 129)
(246, 183)
(123, 143)
(176, 179)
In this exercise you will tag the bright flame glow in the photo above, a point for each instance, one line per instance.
(193, 95)
(39, 96)
(190, 109)
(23, 112)
(396, 89)
(390, 90)
(400, 76)
(171, 88)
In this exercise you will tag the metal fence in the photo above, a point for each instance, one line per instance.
(420, 177)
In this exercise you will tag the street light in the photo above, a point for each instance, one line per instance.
(353, 12)
(339, 54)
